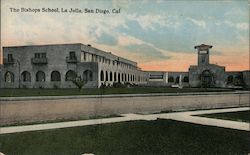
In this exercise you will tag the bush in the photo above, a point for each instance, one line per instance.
(79, 82)
(118, 85)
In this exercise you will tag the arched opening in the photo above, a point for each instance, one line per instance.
(106, 76)
(177, 79)
(185, 79)
(26, 77)
(125, 77)
(230, 79)
(40, 76)
(171, 79)
(88, 75)
(119, 77)
(238, 80)
(110, 76)
(102, 76)
(70, 75)
(55, 76)
(207, 79)
(9, 77)
(115, 79)
(122, 77)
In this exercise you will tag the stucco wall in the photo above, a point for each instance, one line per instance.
(31, 109)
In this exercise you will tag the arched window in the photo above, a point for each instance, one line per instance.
(88, 75)
(207, 78)
(230, 79)
(106, 76)
(26, 77)
(55, 76)
(122, 77)
(177, 79)
(185, 79)
(70, 75)
(9, 77)
(110, 76)
(171, 79)
(115, 77)
(102, 76)
(40, 76)
(125, 77)
(119, 77)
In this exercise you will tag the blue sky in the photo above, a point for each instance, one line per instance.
(156, 34)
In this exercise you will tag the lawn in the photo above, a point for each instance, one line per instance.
(101, 91)
(242, 116)
(128, 138)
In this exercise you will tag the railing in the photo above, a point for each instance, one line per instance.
(39, 60)
(8, 61)
(71, 60)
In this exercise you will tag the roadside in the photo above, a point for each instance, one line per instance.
(179, 116)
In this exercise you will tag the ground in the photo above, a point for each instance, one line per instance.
(135, 137)
(102, 91)
(243, 116)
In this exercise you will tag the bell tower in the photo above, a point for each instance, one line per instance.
(203, 54)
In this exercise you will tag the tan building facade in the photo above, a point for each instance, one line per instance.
(55, 66)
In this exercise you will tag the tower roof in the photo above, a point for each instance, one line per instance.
(203, 46)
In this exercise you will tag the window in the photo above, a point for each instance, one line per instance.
(10, 57)
(72, 55)
(84, 56)
(55, 76)
(203, 60)
(40, 76)
(70, 75)
(177, 80)
(185, 79)
(170, 79)
(43, 55)
(40, 55)
(9, 77)
(230, 79)
(88, 75)
(26, 76)
(37, 55)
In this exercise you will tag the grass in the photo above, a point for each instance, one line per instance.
(242, 116)
(128, 138)
(101, 91)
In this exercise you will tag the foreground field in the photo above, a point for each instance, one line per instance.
(243, 116)
(101, 91)
(137, 137)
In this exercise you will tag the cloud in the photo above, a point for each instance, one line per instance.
(146, 52)
(149, 21)
(239, 26)
(199, 23)
(125, 40)
(242, 26)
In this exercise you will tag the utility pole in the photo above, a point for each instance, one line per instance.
(19, 68)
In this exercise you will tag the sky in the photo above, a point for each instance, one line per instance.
(159, 35)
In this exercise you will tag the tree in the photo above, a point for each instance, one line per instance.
(79, 82)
